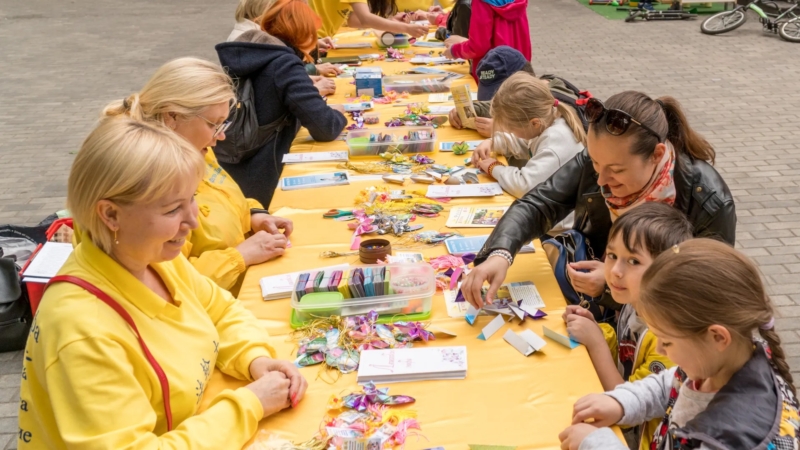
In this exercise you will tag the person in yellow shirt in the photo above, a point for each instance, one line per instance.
(95, 379)
(193, 97)
(629, 352)
(377, 14)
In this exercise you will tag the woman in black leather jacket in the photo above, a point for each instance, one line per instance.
(639, 150)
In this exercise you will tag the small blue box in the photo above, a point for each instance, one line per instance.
(368, 81)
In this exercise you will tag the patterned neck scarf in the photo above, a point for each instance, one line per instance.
(660, 188)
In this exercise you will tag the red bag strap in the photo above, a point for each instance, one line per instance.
(162, 377)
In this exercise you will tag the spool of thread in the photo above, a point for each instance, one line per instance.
(372, 250)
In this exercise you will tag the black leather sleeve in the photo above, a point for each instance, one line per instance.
(722, 225)
(540, 209)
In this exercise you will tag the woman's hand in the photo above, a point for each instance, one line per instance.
(483, 125)
(325, 43)
(272, 389)
(494, 271)
(298, 384)
(403, 17)
(592, 282)
(271, 224)
(586, 331)
(328, 70)
(261, 247)
(481, 152)
(455, 121)
(601, 408)
(484, 165)
(572, 437)
(416, 31)
(419, 15)
(577, 310)
(435, 9)
(325, 86)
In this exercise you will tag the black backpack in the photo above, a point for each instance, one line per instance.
(245, 136)
(577, 98)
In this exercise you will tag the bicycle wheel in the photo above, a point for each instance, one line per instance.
(723, 22)
(790, 30)
(632, 16)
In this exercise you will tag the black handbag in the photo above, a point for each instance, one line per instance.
(15, 308)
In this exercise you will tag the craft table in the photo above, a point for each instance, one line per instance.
(506, 399)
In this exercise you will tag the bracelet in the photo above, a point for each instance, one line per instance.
(258, 211)
(505, 254)
(491, 166)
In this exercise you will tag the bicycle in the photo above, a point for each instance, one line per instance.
(786, 24)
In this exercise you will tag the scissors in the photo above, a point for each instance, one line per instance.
(336, 213)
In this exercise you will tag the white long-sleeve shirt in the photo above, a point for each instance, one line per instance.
(551, 150)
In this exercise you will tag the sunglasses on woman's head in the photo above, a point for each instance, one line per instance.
(617, 121)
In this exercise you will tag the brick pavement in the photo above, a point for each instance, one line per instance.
(63, 61)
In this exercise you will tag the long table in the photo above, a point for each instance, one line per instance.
(506, 399)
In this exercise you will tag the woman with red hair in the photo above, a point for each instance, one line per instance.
(273, 58)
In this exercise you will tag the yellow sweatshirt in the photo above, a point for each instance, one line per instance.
(87, 385)
(224, 220)
(638, 344)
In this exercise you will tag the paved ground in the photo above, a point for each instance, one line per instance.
(63, 61)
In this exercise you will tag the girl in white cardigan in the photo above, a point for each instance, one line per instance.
(535, 133)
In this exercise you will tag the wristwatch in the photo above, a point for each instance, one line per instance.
(258, 211)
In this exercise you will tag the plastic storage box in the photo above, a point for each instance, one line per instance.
(412, 289)
(371, 142)
(417, 83)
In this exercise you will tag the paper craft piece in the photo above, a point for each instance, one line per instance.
(455, 308)
(526, 295)
(314, 181)
(295, 158)
(475, 216)
(448, 146)
(471, 314)
(49, 259)
(492, 327)
(519, 312)
(434, 60)
(464, 190)
(440, 98)
(560, 338)
(473, 244)
(532, 312)
(412, 364)
(463, 102)
(440, 110)
(440, 330)
(491, 447)
(405, 257)
(428, 43)
(526, 342)
(353, 45)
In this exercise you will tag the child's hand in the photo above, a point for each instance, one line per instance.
(402, 17)
(455, 121)
(328, 70)
(419, 15)
(604, 410)
(481, 152)
(484, 165)
(453, 40)
(592, 282)
(586, 331)
(579, 310)
(435, 9)
(448, 54)
(431, 16)
(483, 125)
(572, 437)
(325, 86)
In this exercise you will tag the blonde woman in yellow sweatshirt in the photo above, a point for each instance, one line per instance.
(193, 97)
(87, 381)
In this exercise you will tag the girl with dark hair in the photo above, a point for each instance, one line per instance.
(638, 150)
(732, 387)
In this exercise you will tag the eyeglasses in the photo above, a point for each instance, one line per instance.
(617, 122)
(218, 128)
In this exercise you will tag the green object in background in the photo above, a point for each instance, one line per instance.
(610, 12)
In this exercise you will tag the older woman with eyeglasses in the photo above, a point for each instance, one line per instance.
(193, 97)
(639, 150)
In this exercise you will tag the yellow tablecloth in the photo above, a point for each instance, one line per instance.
(506, 399)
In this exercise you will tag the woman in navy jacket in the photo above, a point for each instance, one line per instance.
(273, 59)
